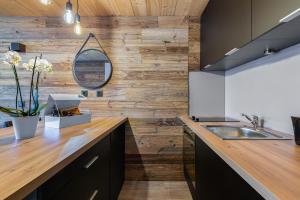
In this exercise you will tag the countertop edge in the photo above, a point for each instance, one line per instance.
(260, 188)
(38, 181)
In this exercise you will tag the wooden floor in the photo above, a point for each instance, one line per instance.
(155, 190)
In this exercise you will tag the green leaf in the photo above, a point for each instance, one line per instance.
(41, 107)
(38, 109)
(12, 112)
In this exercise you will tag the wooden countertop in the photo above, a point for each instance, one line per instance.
(26, 164)
(271, 167)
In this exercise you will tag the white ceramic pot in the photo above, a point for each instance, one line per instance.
(25, 127)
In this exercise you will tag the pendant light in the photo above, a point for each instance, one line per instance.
(77, 28)
(46, 2)
(69, 16)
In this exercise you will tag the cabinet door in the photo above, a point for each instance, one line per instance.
(216, 180)
(267, 13)
(225, 25)
(117, 164)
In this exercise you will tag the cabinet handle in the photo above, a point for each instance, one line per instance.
(94, 195)
(290, 16)
(91, 162)
(232, 51)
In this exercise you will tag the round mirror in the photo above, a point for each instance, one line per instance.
(92, 69)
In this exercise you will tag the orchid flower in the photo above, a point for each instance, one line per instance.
(38, 65)
(41, 65)
(12, 58)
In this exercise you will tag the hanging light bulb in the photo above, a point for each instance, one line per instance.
(69, 16)
(46, 2)
(77, 28)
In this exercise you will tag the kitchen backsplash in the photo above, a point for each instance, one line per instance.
(207, 93)
(268, 87)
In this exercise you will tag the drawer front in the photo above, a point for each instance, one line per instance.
(82, 178)
(63, 178)
(97, 175)
(98, 152)
(75, 190)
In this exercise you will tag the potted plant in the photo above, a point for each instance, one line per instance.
(25, 118)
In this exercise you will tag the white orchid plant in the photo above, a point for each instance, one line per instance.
(36, 66)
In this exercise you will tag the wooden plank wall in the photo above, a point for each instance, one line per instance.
(149, 84)
(194, 43)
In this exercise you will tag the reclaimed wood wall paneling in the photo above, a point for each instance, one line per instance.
(194, 43)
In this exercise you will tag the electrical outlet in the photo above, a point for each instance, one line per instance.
(99, 93)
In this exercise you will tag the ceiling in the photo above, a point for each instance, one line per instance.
(105, 7)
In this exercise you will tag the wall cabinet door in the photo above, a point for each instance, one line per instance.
(117, 163)
(267, 13)
(225, 25)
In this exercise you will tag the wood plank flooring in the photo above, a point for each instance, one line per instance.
(155, 190)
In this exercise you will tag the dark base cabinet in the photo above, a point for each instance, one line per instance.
(117, 162)
(216, 180)
(98, 174)
(90, 181)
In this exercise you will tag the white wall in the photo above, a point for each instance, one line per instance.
(207, 93)
(269, 87)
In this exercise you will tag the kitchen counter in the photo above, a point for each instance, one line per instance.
(26, 164)
(271, 167)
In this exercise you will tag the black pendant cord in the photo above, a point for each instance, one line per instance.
(77, 7)
(91, 35)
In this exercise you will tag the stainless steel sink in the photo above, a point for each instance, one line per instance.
(243, 133)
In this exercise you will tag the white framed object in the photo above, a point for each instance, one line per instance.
(61, 101)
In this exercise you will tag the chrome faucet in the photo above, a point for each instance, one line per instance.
(254, 121)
